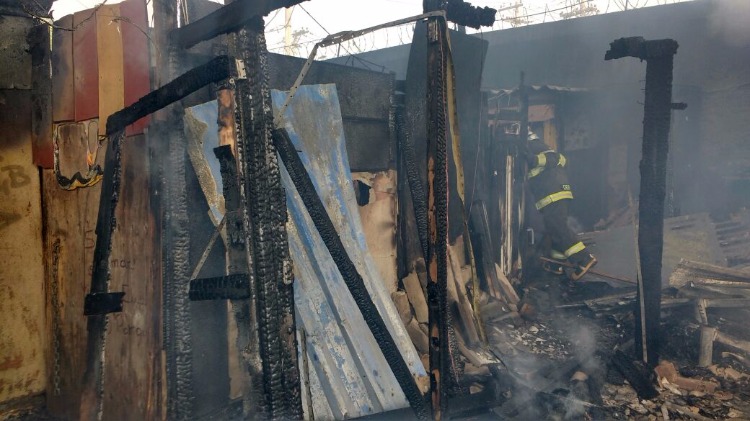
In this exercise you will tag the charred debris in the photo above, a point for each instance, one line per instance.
(284, 238)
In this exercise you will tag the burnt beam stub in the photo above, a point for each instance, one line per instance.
(229, 18)
(100, 303)
(638, 47)
(659, 56)
(462, 12)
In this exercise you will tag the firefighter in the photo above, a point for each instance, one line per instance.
(548, 181)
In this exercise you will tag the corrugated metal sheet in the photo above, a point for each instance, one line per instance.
(343, 357)
(348, 374)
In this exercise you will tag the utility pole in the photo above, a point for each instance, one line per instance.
(288, 30)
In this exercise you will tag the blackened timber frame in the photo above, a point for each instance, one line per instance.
(659, 56)
(227, 19)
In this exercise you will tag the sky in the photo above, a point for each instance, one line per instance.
(312, 20)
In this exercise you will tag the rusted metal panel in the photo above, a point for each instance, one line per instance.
(21, 273)
(109, 55)
(136, 66)
(63, 81)
(86, 67)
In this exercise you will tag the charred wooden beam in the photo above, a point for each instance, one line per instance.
(100, 303)
(351, 276)
(640, 382)
(171, 150)
(214, 71)
(245, 311)
(638, 47)
(96, 325)
(263, 205)
(418, 196)
(437, 214)
(659, 56)
(227, 19)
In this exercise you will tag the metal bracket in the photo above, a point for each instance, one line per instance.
(232, 287)
(241, 72)
(101, 303)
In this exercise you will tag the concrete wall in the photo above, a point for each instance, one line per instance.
(22, 313)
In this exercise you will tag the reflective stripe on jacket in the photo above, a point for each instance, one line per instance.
(548, 178)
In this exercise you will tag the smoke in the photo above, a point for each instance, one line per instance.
(729, 21)
(575, 225)
(583, 343)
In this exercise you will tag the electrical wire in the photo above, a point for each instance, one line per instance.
(354, 56)
(532, 14)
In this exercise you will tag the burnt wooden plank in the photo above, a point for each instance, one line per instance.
(86, 66)
(22, 339)
(41, 123)
(635, 375)
(227, 19)
(136, 68)
(134, 335)
(69, 219)
(63, 81)
(110, 62)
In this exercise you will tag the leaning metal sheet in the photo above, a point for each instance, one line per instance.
(343, 356)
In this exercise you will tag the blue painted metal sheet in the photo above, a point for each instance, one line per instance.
(344, 359)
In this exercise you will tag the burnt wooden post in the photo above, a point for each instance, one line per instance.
(659, 56)
(263, 202)
(437, 214)
(438, 134)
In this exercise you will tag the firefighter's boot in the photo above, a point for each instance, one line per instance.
(553, 267)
